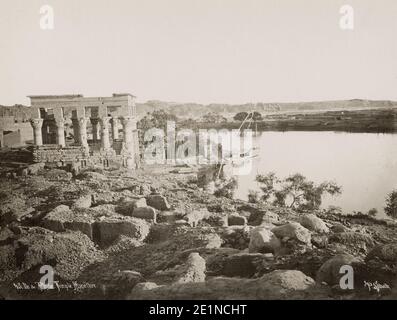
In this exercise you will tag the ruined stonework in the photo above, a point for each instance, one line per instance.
(72, 129)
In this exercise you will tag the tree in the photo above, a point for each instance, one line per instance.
(372, 212)
(227, 189)
(253, 196)
(240, 116)
(296, 191)
(256, 116)
(213, 117)
(267, 183)
(391, 204)
(156, 119)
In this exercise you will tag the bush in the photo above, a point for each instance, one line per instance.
(391, 204)
(295, 192)
(253, 196)
(227, 189)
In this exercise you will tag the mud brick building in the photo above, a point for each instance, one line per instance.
(73, 129)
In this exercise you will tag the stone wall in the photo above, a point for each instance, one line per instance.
(21, 133)
(77, 155)
(55, 153)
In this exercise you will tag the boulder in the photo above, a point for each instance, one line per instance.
(145, 286)
(103, 210)
(236, 220)
(385, 252)
(320, 240)
(83, 202)
(170, 216)
(314, 223)
(270, 217)
(237, 237)
(147, 213)
(293, 230)
(5, 235)
(33, 169)
(62, 218)
(139, 203)
(263, 240)
(194, 217)
(329, 272)
(106, 198)
(127, 206)
(240, 265)
(129, 276)
(213, 241)
(195, 269)
(258, 214)
(158, 202)
(279, 284)
(338, 227)
(54, 219)
(110, 228)
(355, 240)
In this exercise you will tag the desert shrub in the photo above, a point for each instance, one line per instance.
(295, 192)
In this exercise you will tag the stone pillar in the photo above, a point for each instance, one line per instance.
(129, 125)
(37, 124)
(94, 122)
(115, 128)
(83, 131)
(60, 124)
(76, 130)
(105, 142)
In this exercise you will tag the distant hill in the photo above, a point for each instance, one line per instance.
(195, 110)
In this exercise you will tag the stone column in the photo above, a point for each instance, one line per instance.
(83, 131)
(115, 128)
(60, 124)
(94, 122)
(76, 130)
(105, 142)
(37, 124)
(129, 125)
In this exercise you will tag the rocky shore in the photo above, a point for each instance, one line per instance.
(155, 234)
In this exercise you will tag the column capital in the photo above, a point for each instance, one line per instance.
(105, 121)
(36, 123)
(59, 122)
(126, 119)
(129, 122)
(83, 121)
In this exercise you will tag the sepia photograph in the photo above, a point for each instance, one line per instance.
(198, 150)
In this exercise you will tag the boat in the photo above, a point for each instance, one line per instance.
(242, 158)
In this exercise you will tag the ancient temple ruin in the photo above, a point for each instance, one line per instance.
(73, 129)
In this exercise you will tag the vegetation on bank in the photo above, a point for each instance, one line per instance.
(391, 204)
(295, 192)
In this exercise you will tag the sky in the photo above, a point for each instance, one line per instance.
(204, 51)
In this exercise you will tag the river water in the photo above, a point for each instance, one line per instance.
(364, 164)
